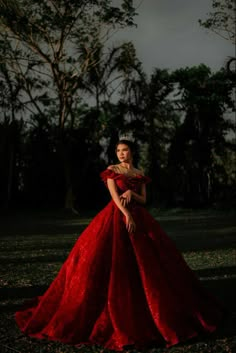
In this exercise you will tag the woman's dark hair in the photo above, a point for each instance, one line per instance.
(130, 144)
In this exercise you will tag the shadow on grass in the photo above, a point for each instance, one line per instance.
(218, 271)
(201, 236)
(37, 229)
(30, 260)
(201, 242)
(66, 246)
(21, 292)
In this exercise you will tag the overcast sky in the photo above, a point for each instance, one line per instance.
(169, 35)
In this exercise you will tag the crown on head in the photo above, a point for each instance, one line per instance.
(128, 136)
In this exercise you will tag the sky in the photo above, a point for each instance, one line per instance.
(168, 35)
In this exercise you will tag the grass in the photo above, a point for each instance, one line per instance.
(33, 247)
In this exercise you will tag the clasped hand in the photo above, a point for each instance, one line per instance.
(126, 197)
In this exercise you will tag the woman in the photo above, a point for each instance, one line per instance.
(124, 282)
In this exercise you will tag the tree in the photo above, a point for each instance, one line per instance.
(161, 122)
(10, 126)
(57, 31)
(201, 139)
(151, 116)
(64, 37)
(222, 19)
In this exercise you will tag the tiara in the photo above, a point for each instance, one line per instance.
(127, 137)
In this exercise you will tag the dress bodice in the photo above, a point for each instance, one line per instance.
(125, 182)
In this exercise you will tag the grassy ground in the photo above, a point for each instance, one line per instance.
(33, 247)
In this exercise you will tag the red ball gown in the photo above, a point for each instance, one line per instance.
(118, 289)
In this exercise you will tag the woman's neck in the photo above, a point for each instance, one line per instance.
(127, 165)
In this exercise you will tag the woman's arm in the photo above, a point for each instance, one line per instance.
(130, 224)
(129, 194)
(115, 196)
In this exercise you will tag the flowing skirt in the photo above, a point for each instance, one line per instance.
(117, 289)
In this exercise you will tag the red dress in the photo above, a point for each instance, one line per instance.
(117, 289)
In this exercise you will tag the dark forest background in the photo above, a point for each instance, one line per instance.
(67, 92)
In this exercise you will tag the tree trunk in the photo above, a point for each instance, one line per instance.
(69, 198)
(11, 164)
(65, 160)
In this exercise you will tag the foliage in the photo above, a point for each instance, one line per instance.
(50, 50)
(73, 94)
(64, 36)
(201, 139)
(222, 19)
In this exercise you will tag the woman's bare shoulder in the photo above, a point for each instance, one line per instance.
(113, 167)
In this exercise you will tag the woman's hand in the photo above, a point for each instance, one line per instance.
(130, 224)
(126, 197)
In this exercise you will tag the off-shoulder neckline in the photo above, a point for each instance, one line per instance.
(126, 175)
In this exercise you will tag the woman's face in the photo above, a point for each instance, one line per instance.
(123, 153)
